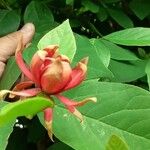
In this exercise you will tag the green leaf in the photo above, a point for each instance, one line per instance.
(102, 14)
(111, 1)
(102, 51)
(74, 23)
(131, 37)
(89, 5)
(69, 2)
(115, 113)
(39, 14)
(61, 36)
(118, 52)
(121, 18)
(9, 21)
(5, 131)
(32, 48)
(26, 107)
(29, 52)
(127, 71)
(140, 8)
(141, 52)
(96, 67)
(9, 77)
(147, 70)
(115, 143)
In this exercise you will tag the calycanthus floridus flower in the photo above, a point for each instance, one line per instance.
(51, 74)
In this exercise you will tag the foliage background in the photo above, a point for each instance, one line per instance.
(120, 119)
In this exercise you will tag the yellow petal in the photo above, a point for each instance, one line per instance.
(78, 115)
(48, 126)
(3, 93)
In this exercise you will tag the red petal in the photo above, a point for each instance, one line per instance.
(69, 102)
(25, 93)
(75, 112)
(71, 105)
(36, 64)
(78, 74)
(56, 76)
(52, 50)
(20, 61)
(48, 116)
(23, 85)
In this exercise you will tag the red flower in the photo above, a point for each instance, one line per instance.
(52, 74)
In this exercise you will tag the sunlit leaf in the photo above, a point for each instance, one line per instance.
(102, 51)
(61, 36)
(118, 52)
(97, 66)
(116, 143)
(147, 70)
(25, 107)
(132, 37)
(121, 110)
(5, 131)
(127, 71)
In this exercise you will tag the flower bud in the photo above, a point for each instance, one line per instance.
(56, 76)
